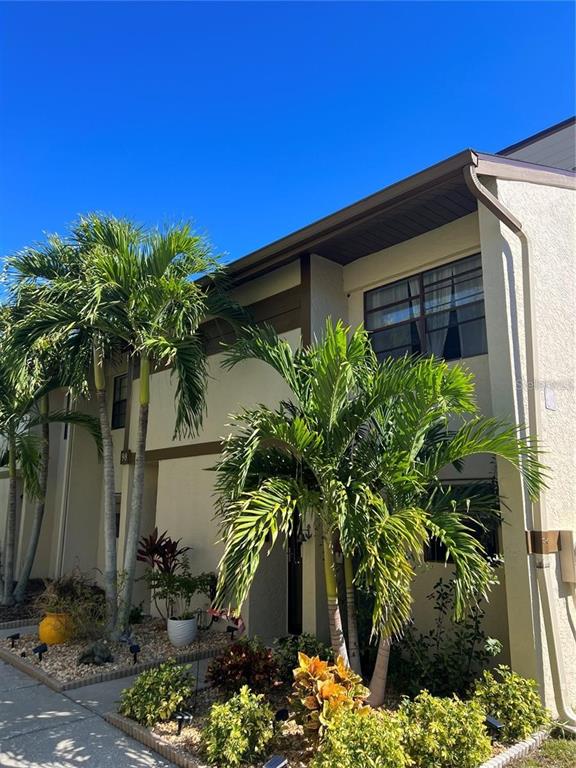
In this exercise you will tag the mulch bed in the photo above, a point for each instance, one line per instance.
(60, 663)
(26, 611)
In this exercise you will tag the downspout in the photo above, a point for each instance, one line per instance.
(540, 520)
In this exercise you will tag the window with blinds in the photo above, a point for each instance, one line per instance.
(439, 312)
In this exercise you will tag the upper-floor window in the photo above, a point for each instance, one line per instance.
(119, 401)
(439, 312)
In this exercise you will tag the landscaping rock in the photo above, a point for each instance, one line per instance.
(98, 653)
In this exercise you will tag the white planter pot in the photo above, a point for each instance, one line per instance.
(182, 631)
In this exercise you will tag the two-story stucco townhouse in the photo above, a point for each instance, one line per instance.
(472, 259)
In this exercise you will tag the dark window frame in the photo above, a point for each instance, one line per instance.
(119, 404)
(419, 300)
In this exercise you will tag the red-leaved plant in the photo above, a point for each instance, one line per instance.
(161, 552)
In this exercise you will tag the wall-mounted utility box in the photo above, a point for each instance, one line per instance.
(568, 556)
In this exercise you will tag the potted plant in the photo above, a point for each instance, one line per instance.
(72, 606)
(172, 587)
(183, 621)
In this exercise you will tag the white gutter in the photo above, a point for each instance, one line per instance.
(540, 519)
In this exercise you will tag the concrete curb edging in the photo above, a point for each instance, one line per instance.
(143, 735)
(516, 751)
(103, 677)
(17, 623)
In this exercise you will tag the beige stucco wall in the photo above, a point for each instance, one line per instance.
(279, 280)
(548, 219)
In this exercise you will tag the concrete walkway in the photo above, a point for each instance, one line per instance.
(40, 728)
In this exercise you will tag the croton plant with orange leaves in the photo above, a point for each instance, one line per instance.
(321, 689)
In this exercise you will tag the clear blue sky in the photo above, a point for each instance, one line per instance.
(254, 119)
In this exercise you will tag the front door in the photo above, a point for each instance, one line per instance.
(295, 579)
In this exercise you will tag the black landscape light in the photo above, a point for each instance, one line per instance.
(231, 631)
(494, 725)
(40, 650)
(13, 638)
(276, 761)
(183, 717)
(135, 650)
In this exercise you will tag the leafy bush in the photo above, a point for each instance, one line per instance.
(370, 740)
(245, 662)
(444, 733)
(83, 601)
(157, 693)
(322, 689)
(286, 650)
(449, 657)
(514, 701)
(239, 730)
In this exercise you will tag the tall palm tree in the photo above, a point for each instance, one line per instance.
(25, 419)
(56, 307)
(155, 309)
(134, 291)
(358, 447)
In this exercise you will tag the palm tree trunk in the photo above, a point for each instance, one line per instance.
(110, 575)
(353, 644)
(34, 539)
(380, 674)
(10, 531)
(337, 639)
(137, 500)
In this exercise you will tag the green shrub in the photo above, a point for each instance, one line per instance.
(444, 733)
(286, 650)
(238, 731)
(514, 701)
(245, 662)
(449, 657)
(370, 740)
(157, 693)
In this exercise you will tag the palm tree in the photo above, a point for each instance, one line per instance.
(154, 309)
(359, 447)
(56, 308)
(25, 411)
(131, 289)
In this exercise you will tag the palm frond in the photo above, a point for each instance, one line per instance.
(251, 523)
(28, 457)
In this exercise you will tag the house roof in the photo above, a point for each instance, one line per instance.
(421, 202)
(538, 136)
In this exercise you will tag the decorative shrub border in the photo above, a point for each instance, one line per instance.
(143, 735)
(102, 677)
(516, 751)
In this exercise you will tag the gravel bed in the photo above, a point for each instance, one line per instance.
(61, 661)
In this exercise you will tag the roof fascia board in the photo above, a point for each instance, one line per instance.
(517, 170)
(306, 238)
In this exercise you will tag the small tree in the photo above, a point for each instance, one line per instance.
(359, 448)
